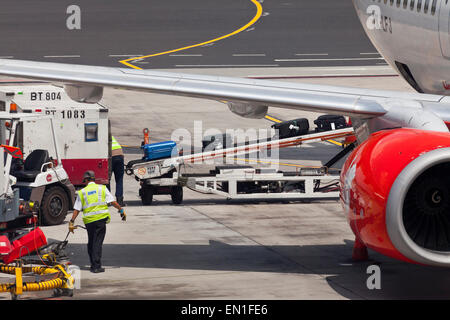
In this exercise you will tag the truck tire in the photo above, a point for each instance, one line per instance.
(54, 206)
(177, 195)
(146, 196)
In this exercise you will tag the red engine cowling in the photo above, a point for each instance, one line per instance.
(395, 190)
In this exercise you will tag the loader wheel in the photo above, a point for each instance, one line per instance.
(57, 292)
(177, 195)
(146, 196)
(55, 205)
(60, 292)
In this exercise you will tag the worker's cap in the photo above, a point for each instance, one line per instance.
(89, 175)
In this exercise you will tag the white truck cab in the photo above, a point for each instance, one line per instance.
(39, 177)
(82, 129)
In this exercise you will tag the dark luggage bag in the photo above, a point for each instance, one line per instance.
(292, 128)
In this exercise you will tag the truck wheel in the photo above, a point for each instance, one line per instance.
(55, 205)
(177, 195)
(146, 196)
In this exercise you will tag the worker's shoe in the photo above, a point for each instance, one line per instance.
(98, 270)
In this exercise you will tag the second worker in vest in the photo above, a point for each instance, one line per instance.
(93, 201)
(118, 169)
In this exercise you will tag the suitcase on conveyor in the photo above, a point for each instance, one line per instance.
(330, 122)
(292, 128)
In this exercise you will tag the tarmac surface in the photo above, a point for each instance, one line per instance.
(208, 247)
(281, 34)
(211, 248)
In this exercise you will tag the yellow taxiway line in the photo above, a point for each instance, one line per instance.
(335, 142)
(259, 11)
(270, 118)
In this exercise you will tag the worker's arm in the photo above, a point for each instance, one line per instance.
(76, 210)
(116, 205)
(110, 200)
(74, 215)
(72, 221)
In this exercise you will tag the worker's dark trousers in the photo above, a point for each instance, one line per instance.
(96, 234)
(119, 170)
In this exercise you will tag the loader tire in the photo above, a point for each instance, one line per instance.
(54, 206)
(177, 195)
(146, 196)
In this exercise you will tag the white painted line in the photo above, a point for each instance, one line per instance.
(124, 55)
(185, 55)
(311, 54)
(225, 65)
(349, 68)
(369, 53)
(66, 56)
(7, 57)
(354, 71)
(249, 54)
(327, 69)
(141, 61)
(314, 60)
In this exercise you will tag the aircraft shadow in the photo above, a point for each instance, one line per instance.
(398, 280)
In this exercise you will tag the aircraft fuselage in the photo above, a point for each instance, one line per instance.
(413, 37)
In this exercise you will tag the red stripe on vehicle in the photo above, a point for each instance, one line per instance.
(75, 168)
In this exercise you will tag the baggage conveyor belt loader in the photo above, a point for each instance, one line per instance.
(163, 176)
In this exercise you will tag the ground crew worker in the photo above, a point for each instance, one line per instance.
(93, 202)
(118, 169)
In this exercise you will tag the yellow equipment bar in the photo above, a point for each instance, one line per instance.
(62, 279)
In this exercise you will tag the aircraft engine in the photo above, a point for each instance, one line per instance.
(84, 93)
(247, 110)
(395, 190)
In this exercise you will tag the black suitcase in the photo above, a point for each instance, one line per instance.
(292, 128)
(330, 122)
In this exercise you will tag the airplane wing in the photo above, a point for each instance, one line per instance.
(354, 102)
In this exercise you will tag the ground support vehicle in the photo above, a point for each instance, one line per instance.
(41, 177)
(83, 129)
(163, 176)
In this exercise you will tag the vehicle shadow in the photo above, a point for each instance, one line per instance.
(349, 279)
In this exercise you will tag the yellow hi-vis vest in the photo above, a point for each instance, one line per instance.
(115, 144)
(93, 201)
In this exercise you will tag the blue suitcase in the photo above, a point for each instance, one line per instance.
(160, 150)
